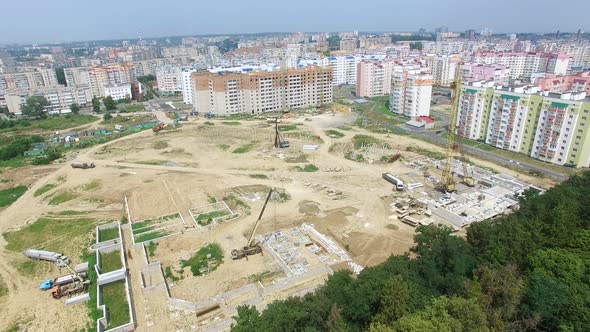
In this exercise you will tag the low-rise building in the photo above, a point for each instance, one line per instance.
(118, 91)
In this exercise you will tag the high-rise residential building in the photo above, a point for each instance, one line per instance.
(38, 78)
(98, 77)
(257, 92)
(187, 85)
(411, 92)
(443, 69)
(169, 79)
(473, 72)
(523, 64)
(547, 126)
(348, 45)
(371, 81)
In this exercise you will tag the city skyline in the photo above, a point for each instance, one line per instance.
(51, 24)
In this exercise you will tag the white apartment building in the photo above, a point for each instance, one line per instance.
(444, 68)
(98, 77)
(118, 91)
(38, 78)
(344, 69)
(411, 92)
(169, 79)
(523, 65)
(59, 97)
(257, 92)
(187, 85)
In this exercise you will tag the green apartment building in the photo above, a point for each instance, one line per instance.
(546, 126)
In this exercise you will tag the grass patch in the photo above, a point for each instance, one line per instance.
(360, 141)
(44, 189)
(243, 148)
(159, 145)
(52, 123)
(300, 158)
(115, 301)
(223, 147)
(205, 219)
(426, 153)
(151, 248)
(48, 233)
(149, 236)
(334, 133)
(108, 234)
(231, 123)
(10, 195)
(110, 261)
(199, 264)
(258, 176)
(3, 288)
(308, 168)
(208, 123)
(134, 108)
(233, 202)
(92, 185)
(287, 127)
(62, 198)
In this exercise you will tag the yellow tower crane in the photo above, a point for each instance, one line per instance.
(447, 183)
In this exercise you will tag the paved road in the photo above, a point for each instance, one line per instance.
(435, 138)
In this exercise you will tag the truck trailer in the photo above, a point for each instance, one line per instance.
(82, 165)
(57, 259)
(397, 183)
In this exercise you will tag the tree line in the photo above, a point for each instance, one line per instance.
(528, 271)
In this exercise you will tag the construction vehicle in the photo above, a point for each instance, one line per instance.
(82, 165)
(252, 247)
(280, 143)
(56, 258)
(158, 127)
(69, 285)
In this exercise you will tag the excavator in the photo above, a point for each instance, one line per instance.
(252, 247)
(69, 289)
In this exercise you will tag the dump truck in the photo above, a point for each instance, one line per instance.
(56, 258)
(82, 165)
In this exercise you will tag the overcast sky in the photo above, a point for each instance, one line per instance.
(26, 21)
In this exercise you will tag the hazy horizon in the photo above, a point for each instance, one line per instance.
(71, 21)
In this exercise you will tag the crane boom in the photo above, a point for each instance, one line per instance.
(448, 182)
(259, 217)
(71, 270)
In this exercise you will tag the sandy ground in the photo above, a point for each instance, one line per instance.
(174, 171)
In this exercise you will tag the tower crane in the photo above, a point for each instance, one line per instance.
(447, 183)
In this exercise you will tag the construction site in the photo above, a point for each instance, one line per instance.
(219, 213)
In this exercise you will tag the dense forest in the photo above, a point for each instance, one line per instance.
(528, 271)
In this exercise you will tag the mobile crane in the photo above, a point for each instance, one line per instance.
(70, 289)
(252, 247)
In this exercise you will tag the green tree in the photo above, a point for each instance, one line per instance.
(35, 107)
(4, 110)
(416, 46)
(445, 260)
(107, 116)
(75, 108)
(499, 291)
(95, 105)
(334, 42)
(248, 319)
(398, 298)
(109, 103)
